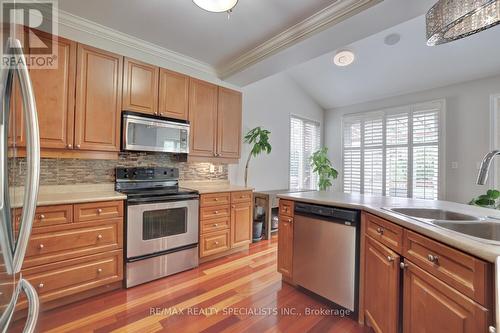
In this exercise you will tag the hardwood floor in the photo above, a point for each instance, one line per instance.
(239, 293)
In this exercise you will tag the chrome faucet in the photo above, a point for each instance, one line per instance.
(482, 177)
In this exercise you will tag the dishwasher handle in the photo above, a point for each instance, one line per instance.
(330, 213)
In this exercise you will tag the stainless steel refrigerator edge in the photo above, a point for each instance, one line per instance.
(14, 249)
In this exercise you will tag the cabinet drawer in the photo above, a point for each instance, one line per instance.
(286, 208)
(214, 243)
(65, 278)
(385, 232)
(51, 246)
(457, 269)
(212, 225)
(98, 210)
(207, 213)
(215, 199)
(48, 215)
(245, 196)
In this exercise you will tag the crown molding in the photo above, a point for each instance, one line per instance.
(102, 32)
(338, 11)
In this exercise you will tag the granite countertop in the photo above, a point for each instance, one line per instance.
(206, 187)
(69, 194)
(375, 205)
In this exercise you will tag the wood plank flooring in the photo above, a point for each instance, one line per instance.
(239, 293)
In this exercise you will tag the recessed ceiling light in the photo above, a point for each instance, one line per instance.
(216, 6)
(344, 58)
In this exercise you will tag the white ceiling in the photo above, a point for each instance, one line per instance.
(180, 26)
(382, 71)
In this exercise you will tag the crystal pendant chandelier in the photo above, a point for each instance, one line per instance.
(216, 6)
(450, 20)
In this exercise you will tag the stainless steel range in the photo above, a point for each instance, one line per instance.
(161, 225)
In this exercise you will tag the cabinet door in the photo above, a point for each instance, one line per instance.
(140, 87)
(285, 246)
(203, 118)
(381, 287)
(241, 224)
(55, 96)
(98, 99)
(174, 95)
(229, 123)
(432, 306)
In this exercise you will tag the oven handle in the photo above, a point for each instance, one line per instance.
(162, 199)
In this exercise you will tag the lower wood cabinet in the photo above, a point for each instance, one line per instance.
(285, 239)
(225, 222)
(381, 287)
(430, 305)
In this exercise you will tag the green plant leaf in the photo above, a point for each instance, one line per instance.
(493, 194)
(323, 167)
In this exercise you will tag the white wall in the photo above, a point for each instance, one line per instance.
(467, 131)
(269, 103)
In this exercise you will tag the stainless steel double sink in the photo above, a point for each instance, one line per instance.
(481, 227)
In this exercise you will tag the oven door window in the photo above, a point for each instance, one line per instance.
(164, 223)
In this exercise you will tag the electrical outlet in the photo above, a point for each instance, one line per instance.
(212, 168)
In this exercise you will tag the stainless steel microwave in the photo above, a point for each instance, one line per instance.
(142, 132)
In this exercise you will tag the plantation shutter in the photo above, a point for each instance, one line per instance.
(352, 155)
(305, 139)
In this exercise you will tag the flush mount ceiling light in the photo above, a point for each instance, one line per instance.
(344, 58)
(216, 6)
(449, 20)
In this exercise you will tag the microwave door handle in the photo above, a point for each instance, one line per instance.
(6, 230)
(32, 158)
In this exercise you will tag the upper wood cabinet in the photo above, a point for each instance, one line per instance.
(381, 287)
(203, 118)
(140, 87)
(173, 95)
(241, 224)
(229, 123)
(98, 99)
(55, 96)
(430, 305)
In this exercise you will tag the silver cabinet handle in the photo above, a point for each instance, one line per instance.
(32, 159)
(402, 265)
(216, 225)
(99, 211)
(78, 146)
(99, 270)
(41, 285)
(99, 237)
(492, 329)
(70, 146)
(433, 258)
(216, 243)
(41, 246)
(380, 231)
(390, 259)
(42, 217)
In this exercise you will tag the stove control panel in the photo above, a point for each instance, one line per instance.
(154, 173)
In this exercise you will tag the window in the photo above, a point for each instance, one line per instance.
(305, 139)
(394, 152)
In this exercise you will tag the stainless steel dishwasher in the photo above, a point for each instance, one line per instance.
(326, 252)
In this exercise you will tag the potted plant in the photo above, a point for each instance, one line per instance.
(489, 200)
(323, 167)
(259, 139)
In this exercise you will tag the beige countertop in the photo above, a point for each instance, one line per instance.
(375, 205)
(69, 194)
(206, 187)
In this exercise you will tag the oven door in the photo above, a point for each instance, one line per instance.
(158, 227)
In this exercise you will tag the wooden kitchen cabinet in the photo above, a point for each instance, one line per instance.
(241, 224)
(140, 86)
(285, 239)
(98, 99)
(173, 95)
(229, 123)
(54, 90)
(203, 118)
(381, 287)
(430, 305)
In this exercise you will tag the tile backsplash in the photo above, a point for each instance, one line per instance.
(76, 171)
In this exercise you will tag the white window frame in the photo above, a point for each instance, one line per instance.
(410, 145)
(321, 142)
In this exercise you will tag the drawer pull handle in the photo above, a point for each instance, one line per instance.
(78, 146)
(99, 211)
(233, 206)
(42, 217)
(216, 243)
(99, 237)
(216, 199)
(380, 231)
(99, 270)
(41, 246)
(216, 212)
(216, 225)
(70, 146)
(432, 258)
(403, 266)
(390, 259)
(41, 285)
(290, 220)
